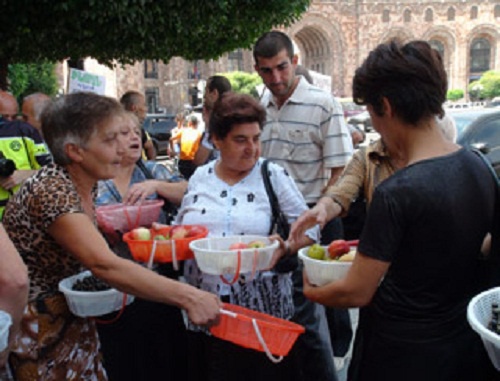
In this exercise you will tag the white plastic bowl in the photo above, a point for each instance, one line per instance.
(91, 303)
(322, 272)
(479, 315)
(5, 323)
(214, 257)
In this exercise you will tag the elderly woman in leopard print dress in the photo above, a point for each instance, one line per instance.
(51, 222)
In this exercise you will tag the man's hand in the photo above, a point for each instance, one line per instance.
(16, 178)
(315, 216)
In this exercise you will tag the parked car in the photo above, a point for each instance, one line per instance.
(350, 108)
(361, 120)
(159, 127)
(480, 129)
(494, 103)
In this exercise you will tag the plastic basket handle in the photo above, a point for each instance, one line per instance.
(237, 274)
(152, 255)
(259, 336)
(254, 264)
(137, 218)
(175, 263)
(110, 321)
(264, 345)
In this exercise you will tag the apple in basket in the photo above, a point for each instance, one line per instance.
(238, 246)
(316, 251)
(194, 231)
(178, 232)
(141, 234)
(338, 248)
(256, 244)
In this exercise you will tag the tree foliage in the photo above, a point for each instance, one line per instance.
(455, 94)
(27, 79)
(242, 82)
(130, 30)
(488, 86)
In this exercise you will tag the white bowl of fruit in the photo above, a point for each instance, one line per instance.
(233, 255)
(325, 264)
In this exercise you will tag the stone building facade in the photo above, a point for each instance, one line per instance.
(334, 37)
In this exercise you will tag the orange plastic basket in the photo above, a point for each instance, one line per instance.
(165, 250)
(257, 330)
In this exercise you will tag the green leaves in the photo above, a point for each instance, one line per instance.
(242, 82)
(126, 30)
(26, 79)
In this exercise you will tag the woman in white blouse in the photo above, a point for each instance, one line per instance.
(228, 197)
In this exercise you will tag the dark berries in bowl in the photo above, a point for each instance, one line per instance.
(90, 283)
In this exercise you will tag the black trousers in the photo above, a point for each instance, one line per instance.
(339, 321)
(186, 168)
(148, 342)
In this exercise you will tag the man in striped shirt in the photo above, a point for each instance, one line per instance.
(305, 133)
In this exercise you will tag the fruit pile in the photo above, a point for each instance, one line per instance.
(250, 245)
(494, 323)
(338, 250)
(90, 283)
(177, 232)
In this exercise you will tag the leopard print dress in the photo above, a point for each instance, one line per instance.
(53, 344)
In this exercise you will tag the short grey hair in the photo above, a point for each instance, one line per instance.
(73, 118)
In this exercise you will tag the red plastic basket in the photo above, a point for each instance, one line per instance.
(257, 330)
(124, 217)
(165, 250)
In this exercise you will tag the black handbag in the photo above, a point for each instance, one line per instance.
(168, 207)
(279, 223)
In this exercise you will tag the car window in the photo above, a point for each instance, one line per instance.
(465, 118)
(488, 133)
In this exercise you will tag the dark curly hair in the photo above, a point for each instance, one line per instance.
(410, 76)
(233, 109)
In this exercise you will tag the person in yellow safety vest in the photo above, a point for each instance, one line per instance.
(22, 150)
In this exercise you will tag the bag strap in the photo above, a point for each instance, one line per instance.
(273, 200)
(495, 231)
(167, 204)
(145, 170)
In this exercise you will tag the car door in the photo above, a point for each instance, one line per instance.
(485, 136)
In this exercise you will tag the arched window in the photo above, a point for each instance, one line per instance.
(473, 12)
(386, 16)
(407, 15)
(235, 60)
(429, 15)
(480, 53)
(451, 14)
(437, 45)
(150, 69)
(497, 11)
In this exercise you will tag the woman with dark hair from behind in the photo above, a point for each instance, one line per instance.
(418, 262)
